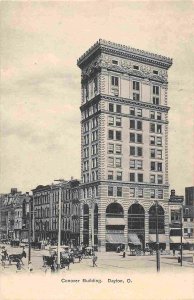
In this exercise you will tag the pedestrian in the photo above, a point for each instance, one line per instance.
(30, 267)
(18, 266)
(94, 259)
(124, 253)
(174, 251)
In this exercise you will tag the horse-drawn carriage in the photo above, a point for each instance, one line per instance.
(65, 258)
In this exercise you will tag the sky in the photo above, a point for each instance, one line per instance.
(40, 81)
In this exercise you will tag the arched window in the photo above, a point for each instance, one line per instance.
(153, 219)
(136, 217)
(114, 210)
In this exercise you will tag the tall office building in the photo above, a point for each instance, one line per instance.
(124, 146)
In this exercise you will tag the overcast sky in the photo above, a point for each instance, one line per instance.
(40, 82)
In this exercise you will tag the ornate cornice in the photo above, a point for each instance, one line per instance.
(124, 52)
(122, 100)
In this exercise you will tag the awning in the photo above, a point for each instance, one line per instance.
(177, 240)
(115, 238)
(161, 237)
(115, 221)
(133, 239)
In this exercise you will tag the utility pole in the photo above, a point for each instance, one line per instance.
(59, 224)
(92, 221)
(181, 221)
(157, 241)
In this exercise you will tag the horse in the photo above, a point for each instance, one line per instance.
(65, 262)
(48, 260)
(16, 257)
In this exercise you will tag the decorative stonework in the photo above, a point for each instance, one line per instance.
(126, 67)
(124, 52)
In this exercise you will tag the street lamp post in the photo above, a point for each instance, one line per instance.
(157, 241)
(59, 225)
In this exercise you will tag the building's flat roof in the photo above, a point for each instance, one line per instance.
(124, 51)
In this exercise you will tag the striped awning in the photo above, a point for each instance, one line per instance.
(115, 238)
(177, 240)
(161, 237)
(133, 239)
(115, 221)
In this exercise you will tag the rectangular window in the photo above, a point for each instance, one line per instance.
(152, 153)
(118, 135)
(139, 164)
(132, 192)
(136, 67)
(136, 96)
(95, 84)
(155, 72)
(160, 167)
(139, 112)
(118, 121)
(152, 166)
(118, 162)
(111, 134)
(118, 108)
(115, 81)
(132, 111)
(111, 148)
(132, 177)
(159, 154)
(152, 127)
(119, 191)
(159, 141)
(111, 107)
(139, 151)
(160, 179)
(152, 140)
(152, 114)
(111, 162)
(132, 124)
(159, 116)
(160, 194)
(140, 177)
(136, 86)
(119, 176)
(140, 193)
(115, 62)
(110, 190)
(155, 90)
(132, 150)
(110, 121)
(152, 178)
(152, 194)
(132, 164)
(139, 138)
(159, 128)
(118, 149)
(139, 125)
(110, 175)
(132, 137)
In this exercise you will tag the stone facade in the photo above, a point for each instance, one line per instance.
(124, 138)
(46, 204)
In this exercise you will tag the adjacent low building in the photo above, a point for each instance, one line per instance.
(46, 212)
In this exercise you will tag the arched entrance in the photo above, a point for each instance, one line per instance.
(154, 214)
(86, 224)
(136, 226)
(114, 227)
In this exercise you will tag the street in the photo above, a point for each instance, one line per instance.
(108, 261)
